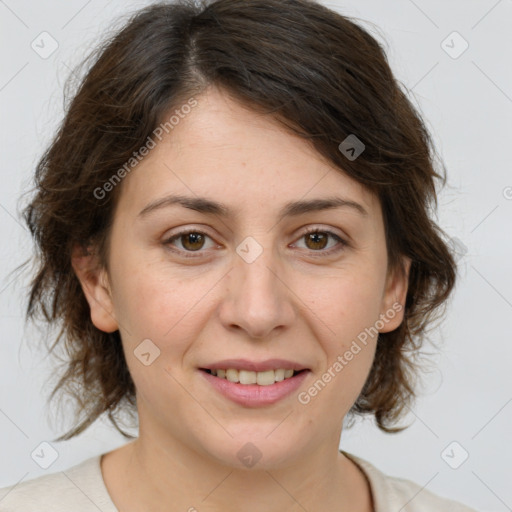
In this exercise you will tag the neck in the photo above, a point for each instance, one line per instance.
(167, 476)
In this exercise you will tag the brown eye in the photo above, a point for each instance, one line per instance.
(192, 241)
(317, 240)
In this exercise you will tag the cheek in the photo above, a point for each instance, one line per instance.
(157, 310)
(165, 309)
(147, 299)
(160, 319)
(347, 303)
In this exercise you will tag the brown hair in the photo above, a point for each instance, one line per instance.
(324, 78)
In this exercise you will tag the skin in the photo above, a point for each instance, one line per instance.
(293, 302)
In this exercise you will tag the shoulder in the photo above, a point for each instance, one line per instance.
(422, 500)
(393, 493)
(79, 488)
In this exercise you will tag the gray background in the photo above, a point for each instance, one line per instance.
(466, 100)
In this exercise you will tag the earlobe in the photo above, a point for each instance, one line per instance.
(95, 285)
(395, 295)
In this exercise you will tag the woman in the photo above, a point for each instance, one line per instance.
(233, 228)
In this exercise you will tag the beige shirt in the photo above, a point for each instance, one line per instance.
(82, 489)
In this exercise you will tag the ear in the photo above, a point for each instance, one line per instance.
(96, 287)
(395, 294)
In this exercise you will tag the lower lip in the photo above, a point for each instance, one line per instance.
(254, 395)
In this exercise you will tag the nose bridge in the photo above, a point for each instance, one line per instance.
(257, 300)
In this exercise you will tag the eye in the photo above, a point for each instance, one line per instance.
(190, 241)
(317, 240)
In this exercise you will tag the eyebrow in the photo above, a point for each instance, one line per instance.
(291, 209)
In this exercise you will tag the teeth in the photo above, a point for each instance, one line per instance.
(265, 378)
(246, 377)
(279, 375)
(232, 375)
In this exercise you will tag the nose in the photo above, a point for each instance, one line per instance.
(257, 299)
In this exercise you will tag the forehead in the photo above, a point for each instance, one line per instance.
(224, 150)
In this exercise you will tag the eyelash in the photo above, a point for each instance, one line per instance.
(322, 252)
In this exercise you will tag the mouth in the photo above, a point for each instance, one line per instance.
(252, 384)
(248, 377)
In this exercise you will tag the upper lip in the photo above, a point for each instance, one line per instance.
(255, 366)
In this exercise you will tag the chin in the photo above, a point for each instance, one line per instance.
(254, 450)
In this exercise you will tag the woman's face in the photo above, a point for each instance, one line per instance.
(246, 284)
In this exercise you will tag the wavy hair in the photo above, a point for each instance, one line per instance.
(320, 74)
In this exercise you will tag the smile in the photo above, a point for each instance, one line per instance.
(246, 377)
(250, 388)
